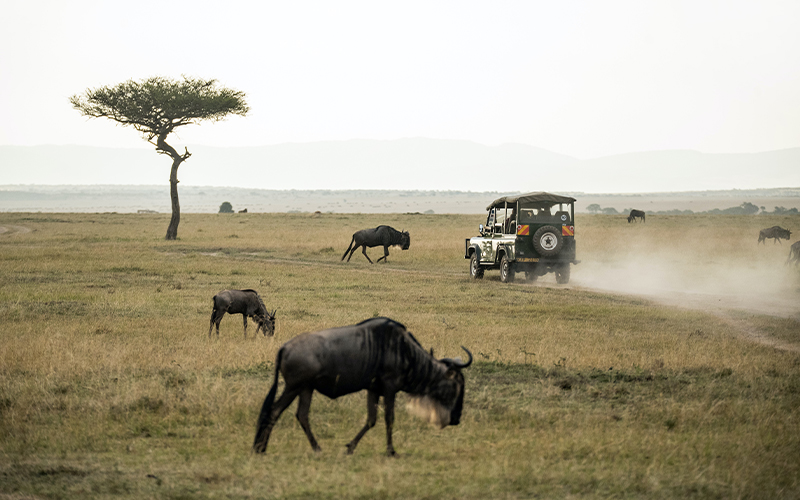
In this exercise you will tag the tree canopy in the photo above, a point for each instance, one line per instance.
(155, 107)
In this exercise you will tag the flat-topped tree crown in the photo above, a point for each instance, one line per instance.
(157, 106)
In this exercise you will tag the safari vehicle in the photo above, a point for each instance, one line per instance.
(532, 233)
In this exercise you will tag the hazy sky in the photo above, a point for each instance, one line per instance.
(582, 78)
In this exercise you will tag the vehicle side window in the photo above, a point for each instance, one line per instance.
(500, 219)
(511, 223)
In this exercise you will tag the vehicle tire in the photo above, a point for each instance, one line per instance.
(547, 241)
(506, 270)
(475, 269)
(562, 274)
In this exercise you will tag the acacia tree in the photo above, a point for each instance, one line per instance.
(157, 106)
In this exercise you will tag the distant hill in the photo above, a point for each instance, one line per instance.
(404, 164)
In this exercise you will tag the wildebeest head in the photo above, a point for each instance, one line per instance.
(405, 240)
(444, 401)
(266, 323)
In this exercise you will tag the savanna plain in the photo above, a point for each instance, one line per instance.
(669, 367)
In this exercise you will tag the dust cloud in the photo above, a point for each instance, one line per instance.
(714, 276)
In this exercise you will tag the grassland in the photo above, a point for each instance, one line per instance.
(110, 386)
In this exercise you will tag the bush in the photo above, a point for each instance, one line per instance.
(226, 208)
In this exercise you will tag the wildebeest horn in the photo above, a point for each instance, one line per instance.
(464, 365)
(457, 363)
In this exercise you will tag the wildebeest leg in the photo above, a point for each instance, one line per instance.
(244, 317)
(372, 417)
(268, 418)
(211, 324)
(364, 251)
(388, 410)
(353, 251)
(216, 318)
(303, 407)
(385, 254)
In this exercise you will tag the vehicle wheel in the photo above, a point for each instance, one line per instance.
(475, 269)
(506, 270)
(547, 241)
(562, 274)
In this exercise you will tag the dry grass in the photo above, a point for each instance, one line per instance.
(109, 385)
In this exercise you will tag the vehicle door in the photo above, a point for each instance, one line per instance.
(500, 236)
(488, 244)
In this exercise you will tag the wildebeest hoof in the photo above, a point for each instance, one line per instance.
(391, 453)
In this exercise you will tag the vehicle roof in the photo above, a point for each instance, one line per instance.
(538, 197)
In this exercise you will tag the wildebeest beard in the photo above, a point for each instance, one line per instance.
(432, 407)
(429, 410)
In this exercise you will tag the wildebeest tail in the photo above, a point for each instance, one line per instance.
(259, 443)
(349, 247)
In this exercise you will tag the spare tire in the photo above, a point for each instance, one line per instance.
(547, 241)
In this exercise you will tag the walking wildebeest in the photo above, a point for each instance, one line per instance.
(774, 232)
(794, 253)
(244, 302)
(634, 214)
(384, 236)
(378, 355)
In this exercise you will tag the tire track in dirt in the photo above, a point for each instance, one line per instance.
(754, 334)
(9, 230)
(721, 307)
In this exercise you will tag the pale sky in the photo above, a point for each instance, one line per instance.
(581, 78)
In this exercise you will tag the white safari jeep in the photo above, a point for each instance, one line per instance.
(532, 233)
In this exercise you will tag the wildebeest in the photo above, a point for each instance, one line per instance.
(244, 302)
(384, 236)
(378, 355)
(636, 214)
(774, 232)
(794, 253)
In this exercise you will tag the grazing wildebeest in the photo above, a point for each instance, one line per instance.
(794, 253)
(774, 232)
(378, 355)
(244, 302)
(634, 214)
(384, 236)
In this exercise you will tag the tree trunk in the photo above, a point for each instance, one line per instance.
(177, 159)
(172, 229)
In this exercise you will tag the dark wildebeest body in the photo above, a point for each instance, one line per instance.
(244, 302)
(636, 214)
(794, 253)
(384, 236)
(378, 355)
(774, 232)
